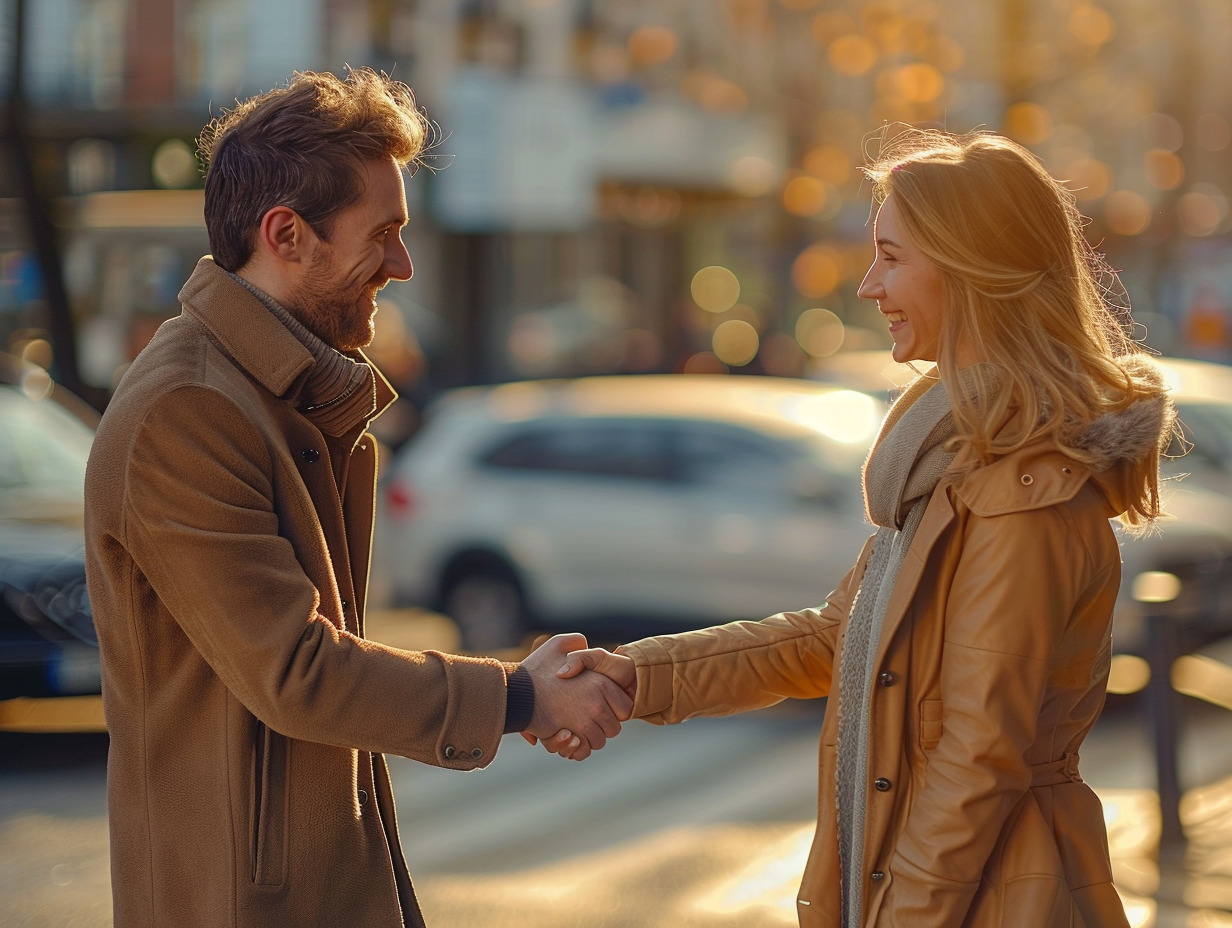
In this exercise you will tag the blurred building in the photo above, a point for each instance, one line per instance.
(625, 185)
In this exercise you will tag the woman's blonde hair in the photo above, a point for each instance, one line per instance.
(1026, 293)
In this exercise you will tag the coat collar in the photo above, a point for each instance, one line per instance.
(255, 338)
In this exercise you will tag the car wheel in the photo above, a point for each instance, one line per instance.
(488, 605)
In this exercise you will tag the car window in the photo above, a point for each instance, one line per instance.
(1208, 426)
(594, 447)
(40, 443)
(732, 458)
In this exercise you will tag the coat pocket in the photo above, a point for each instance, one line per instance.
(930, 723)
(269, 808)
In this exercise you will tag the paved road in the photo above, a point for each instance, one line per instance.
(704, 824)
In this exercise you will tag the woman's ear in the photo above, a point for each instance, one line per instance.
(283, 234)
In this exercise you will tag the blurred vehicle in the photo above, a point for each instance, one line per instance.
(1193, 543)
(618, 505)
(47, 641)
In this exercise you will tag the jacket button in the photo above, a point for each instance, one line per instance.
(888, 678)
(476, 753)
(877, 875)
(450, 751)
(311, 455)
(363, 796)
(346, 606)
(881, 784)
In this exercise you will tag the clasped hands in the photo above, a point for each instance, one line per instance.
(581, 695)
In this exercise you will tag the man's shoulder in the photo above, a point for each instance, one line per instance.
(181, 358)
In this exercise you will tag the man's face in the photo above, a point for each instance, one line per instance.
(336, 296)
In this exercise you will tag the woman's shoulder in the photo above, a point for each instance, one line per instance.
(1033, 477)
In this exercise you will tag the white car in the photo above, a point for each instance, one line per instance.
(618, 505)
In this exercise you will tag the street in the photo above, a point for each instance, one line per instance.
(702, 824)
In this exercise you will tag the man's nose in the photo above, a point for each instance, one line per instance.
(397, 260)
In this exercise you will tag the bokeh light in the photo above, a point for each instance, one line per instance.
(919, 83)
(703, 362)
(652, 44)
(852, 55)
(819, 332)
(1127, 212)
(817, 271)
(1088, 178)
(1164, 169)
(805, 196)
(752, 175)
(1090, 24)
(829, 163)
(715, 289)
(735, 342)
(174, 164)
(1200, 212)
(1214, 132)
(1028, 123)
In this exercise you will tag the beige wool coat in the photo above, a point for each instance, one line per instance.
(991, 669)
(228, 544)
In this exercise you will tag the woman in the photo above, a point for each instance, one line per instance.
(966, 653)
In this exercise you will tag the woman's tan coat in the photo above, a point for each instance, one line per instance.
(228, 543)
(991, 669)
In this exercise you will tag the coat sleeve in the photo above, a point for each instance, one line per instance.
(204, 536)
(741, 665)
(1022, 579)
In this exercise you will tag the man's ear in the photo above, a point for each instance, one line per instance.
(284, 234)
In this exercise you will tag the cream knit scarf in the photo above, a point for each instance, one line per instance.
(902, 470)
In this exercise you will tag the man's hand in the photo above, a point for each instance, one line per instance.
(619, 669)
(589, 706)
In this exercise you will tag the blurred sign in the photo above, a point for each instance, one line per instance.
(517, 153)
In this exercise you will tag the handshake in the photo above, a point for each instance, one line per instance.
(581, 695)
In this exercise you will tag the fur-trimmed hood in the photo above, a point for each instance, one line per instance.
(1130, 434)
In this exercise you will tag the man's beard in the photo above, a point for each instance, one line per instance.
(338, 315)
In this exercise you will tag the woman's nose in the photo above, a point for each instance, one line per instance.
(870, 287)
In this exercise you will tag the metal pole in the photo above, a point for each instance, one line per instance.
(1165, 718)
(38, 214)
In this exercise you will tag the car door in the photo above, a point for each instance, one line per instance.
(594, 513)
(773, 523)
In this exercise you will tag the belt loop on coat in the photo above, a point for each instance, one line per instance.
(1056, 772)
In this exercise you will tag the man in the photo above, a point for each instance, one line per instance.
(229, 511)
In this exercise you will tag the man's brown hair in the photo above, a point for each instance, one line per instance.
(300, 146)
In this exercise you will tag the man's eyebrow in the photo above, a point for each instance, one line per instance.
(398, 220)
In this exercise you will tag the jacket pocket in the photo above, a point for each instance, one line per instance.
(269, 808)
(930, 723)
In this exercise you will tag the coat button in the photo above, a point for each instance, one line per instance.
(363, 796)
(450, 751)
(346, 606)
(311, 455)
(476, 753)
(887, 678)
(881, 784)
(877, 875)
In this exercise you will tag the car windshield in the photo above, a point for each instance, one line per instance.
(1207, 424)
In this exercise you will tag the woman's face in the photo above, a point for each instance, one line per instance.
(908, 288)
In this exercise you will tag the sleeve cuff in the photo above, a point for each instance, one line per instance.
(519, 700)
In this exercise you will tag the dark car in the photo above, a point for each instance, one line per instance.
(47, 643)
